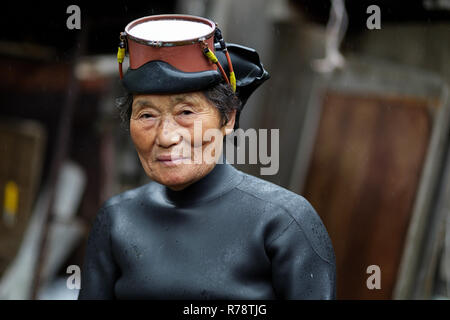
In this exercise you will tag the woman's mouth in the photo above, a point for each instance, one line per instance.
(170, 160)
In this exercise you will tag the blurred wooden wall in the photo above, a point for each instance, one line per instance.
(22, 145)
(363, 177)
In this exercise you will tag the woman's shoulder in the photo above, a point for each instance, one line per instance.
(278, 196)
(289, 208)
(128, 197)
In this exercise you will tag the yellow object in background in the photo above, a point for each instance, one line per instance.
(11, 203)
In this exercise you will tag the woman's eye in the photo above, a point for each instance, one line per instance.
(186, 112)
(146, 116)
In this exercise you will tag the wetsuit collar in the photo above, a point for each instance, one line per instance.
(221, 179)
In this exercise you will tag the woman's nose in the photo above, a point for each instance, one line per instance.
(168, 134)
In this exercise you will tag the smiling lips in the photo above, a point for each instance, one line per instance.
(170, 160)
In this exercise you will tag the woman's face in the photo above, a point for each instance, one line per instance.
(170, 150)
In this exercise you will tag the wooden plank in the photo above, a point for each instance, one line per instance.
(364, 174)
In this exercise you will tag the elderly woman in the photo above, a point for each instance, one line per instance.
(200, 229)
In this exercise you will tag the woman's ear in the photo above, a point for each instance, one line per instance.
(228, 127)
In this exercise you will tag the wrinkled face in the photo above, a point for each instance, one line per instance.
(178, 137)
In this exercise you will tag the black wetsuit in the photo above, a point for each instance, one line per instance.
(228, 236)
